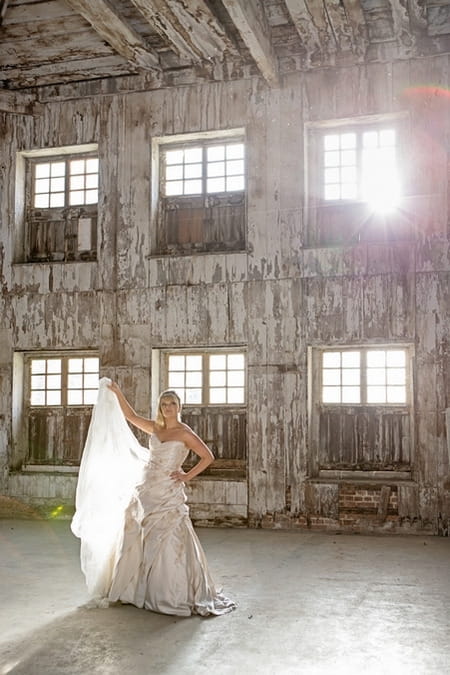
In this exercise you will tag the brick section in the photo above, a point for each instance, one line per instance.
(365, 499)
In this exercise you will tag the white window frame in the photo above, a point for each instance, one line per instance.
(314, 151)
(205, 355)
(317, 383)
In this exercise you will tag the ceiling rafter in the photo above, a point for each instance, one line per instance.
(108, 23)
(306, 29)
(250, 20)
(358, 27)
(190, 27)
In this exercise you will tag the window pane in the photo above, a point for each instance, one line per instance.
(192, 187)
(376, 394)
(349, 191)
(348, 158)
(42, 186)
(57, 200)
(396, 394)
(53, 381)
(193, 155)
(331, 359)
(218, 395)
(37, 398)
(193, 396)
(194, 379)
(332, 192)
(235, 168)
(58, 169)
(91, 365)
(57, 185)
(215, 185)
(53, 397)
(77, 166)
(216, 169)
(41, 201)
(396, 376)
(236, 378)
(192, 170)
(176, 379)
(370, 139)
(54, 366)
(236, 395)
(376, 376)
(331, 377)
(174, 157)
(235, 361)
(38, 366)
(75, 365)
(42, 170)
(351, 359)
(217, 378)
(348, 140)
(376, 358)
(77, 182)
(174, 172)
(348, 174)
(350, 376)
(235, 150)
(331, 142)
(331, 394)
(92, 165)
(350, 395)
(217, 362)
(176, 362)
(92, 180)
(194, 362)
(396, 358)
(332, 175)
(91, 381)
(90, 396)
(235, 183)
(91, 197)
(75, 397)
(76, 198)
(38, 381)
(75, 381)
(174, 188)
(215, 153)
(332, 159)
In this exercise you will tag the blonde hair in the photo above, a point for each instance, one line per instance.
(168, 393)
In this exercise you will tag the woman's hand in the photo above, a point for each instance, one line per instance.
(114, 388)
(179, 476)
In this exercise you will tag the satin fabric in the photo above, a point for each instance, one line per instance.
(138, 544)
(160, 563)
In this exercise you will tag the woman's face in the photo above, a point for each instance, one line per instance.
(169, 407)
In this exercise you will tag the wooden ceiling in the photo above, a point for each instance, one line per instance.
(163, 43)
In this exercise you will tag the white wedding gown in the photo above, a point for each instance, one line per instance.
(138, 544)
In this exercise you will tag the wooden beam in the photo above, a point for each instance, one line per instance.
(3, 8)
(304, 25)
(357, 24)
(190, 27)
(249, 18)
(108, 23)
(17, 103)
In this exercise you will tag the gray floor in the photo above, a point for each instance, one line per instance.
(309, 603)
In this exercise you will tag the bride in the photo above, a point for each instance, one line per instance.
(138, 544)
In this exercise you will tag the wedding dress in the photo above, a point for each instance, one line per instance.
(138, 544)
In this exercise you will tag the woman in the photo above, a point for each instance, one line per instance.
(150, 555)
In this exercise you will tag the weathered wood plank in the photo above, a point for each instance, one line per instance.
(249, 18)
(108, 23)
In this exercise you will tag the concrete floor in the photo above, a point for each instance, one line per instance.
(309, 604)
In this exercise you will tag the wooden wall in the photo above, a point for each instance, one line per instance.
(284, 293)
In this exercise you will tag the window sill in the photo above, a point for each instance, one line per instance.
(327, 475)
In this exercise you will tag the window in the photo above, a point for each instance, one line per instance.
(361, 414)
(59, 392)
(355, 179)
(208, 169)
(369, 377)
(61, 188)
(48, 375)
(362, 165)
(201, 188)
(208, 379)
